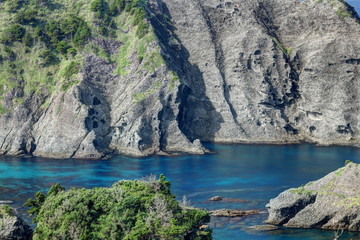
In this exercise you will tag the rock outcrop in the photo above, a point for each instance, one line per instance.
(12, 227)
(233, 213)
(332, 202)
(235, 71)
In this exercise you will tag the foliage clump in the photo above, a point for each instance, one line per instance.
(6, 211)
(127, 210)
(41, 36)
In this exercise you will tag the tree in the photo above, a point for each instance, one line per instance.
(127, 210)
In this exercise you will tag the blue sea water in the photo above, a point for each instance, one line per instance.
(355, 4)
(255, 173)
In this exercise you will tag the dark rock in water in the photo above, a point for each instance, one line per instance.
(332, 202)
(222, 199)
(216, 198)
(233, 213)
(264, 228)
(12, 226)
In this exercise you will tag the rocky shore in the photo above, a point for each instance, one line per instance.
(332, 202)
(12, 227)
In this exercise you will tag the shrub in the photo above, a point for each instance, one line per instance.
(82, 34)
(142, 29)
(139, 16)
(46, 57)
(10, 54)
(13, 33)
(27, 39)
(62, 47)
(15, 5)
(126, 210)
(54, 31)
(26, 17)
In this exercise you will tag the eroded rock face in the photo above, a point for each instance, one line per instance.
(253, 71)
(12, 227)
(332, 202)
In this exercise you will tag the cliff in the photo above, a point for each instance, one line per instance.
(12, 227)
(251, 71)
(331, 202)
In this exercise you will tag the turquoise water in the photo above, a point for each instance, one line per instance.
(255, 173)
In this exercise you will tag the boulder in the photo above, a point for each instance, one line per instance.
(223, 199)
(332, 202)
(12, 227)
(216, 198)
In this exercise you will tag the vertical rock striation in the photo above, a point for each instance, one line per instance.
(248, 71)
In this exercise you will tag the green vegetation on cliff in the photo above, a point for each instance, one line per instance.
(140, 209)
(44, 43)
(6, 211)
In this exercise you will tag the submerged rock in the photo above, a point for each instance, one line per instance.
(264, 228)
(332, 202)
(12, 227)
(233, 213)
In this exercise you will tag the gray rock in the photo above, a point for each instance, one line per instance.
(233, 213)
(263, 228)
(331, 202)
(12, 227)
(216, 198)
(223, 199)
(240, 71)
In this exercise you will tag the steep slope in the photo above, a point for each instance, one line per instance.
(331, 202)
(274, 71)
(115, 94)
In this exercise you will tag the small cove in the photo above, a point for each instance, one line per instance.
(255, 173)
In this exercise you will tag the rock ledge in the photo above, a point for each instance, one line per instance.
(332, 202)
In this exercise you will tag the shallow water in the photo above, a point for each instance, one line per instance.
(255, 173)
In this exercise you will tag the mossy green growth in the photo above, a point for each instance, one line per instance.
(6, 211)
(301, 191)
(2, 109)
(44, 43)
(285, 50)
(174, 81)
(139, 209)
(138, 97)
(342, 13)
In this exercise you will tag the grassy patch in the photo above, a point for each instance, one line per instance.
(301, 191)
(5, 210)
(342, 13)
(138, 97)
(174, 81)
(44, 42)
(285, 50)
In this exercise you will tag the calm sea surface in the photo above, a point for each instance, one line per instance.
(255, 173)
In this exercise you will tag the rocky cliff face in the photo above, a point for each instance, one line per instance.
(331, 202)
(251, 71)
(12, 227)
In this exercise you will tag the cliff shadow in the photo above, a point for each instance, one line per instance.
(197, 117)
